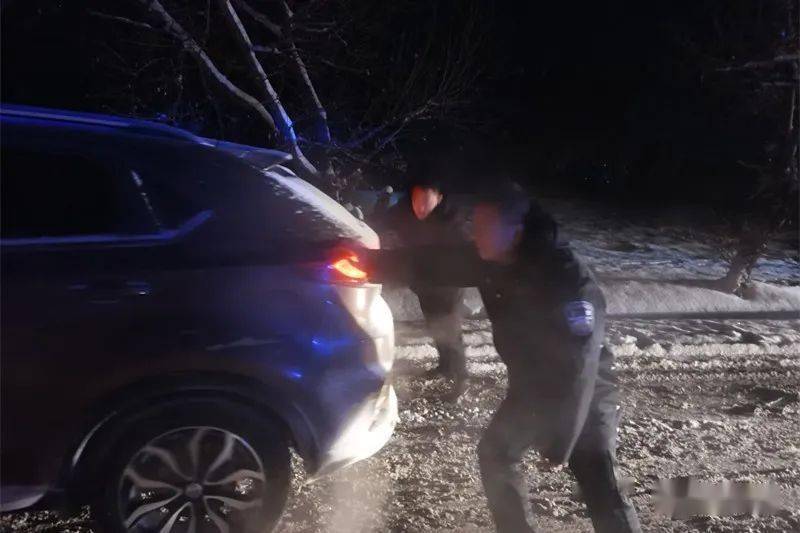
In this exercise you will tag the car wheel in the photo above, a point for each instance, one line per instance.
(202, 466)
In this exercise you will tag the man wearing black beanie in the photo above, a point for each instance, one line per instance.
(425, 218)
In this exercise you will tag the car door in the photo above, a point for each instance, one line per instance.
(71, 219)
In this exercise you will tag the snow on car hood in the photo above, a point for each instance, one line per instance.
(321, 207)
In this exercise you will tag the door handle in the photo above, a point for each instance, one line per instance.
(137, 288)
(109, 292)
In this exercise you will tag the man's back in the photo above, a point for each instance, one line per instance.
(424, 220)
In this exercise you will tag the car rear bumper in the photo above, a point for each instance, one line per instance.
(368, 427)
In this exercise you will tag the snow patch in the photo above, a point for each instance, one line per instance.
(634, 296)
(484, 369)
(483, 350)
(420, 352)
(680, 351)
(324, 206)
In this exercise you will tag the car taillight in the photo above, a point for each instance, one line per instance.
(347, 267)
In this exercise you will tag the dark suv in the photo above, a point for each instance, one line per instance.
(177, 312)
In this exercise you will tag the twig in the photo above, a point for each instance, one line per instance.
(171, 26)
(259, 17)
(260, 49)
(269, 92)
(307, 29)
(123, 20)
(302, 73)
(207, 31)
(297, 61)
(785, 58)
(341, 67)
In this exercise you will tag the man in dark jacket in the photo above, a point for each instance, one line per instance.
(548, 320)
(425, 219)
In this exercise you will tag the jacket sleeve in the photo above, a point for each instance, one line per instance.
(390, 225)
(456, 226)
(448, 265)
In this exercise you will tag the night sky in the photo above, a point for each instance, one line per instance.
(576, 72)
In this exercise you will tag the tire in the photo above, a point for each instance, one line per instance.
(195, 466)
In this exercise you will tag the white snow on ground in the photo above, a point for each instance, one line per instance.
(635, 296)
(415, 352)
(703, 332)
(632, 296)
(663, 340)
(672, 244)
(675, 260)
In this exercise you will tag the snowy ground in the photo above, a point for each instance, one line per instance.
(705, 415)
(710, 397)
(699, 398)
(668, 244)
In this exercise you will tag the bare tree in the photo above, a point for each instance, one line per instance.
(284, 33)
(431, 75)
(768, 85)
(280, 64)
(742, 60)
(277, 120)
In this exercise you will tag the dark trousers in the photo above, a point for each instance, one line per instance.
(515, 427)
(441, 307)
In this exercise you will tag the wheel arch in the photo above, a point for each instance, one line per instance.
(108, 416)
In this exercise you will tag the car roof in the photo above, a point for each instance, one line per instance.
(257, 156)
(79, 118)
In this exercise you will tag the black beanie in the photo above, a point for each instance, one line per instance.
(430, 172)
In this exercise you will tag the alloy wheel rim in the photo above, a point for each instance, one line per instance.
(195, 479)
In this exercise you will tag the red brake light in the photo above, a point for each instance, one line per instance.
(347, 267)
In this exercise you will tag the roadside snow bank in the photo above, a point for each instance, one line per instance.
(638, 297)
(634, 296)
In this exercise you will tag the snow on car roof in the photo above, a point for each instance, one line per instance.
(323, 206)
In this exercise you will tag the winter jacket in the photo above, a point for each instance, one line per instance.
(399, 223)
(525, 301)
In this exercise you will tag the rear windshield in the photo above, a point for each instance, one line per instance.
(181, 182)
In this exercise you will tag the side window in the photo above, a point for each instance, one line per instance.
(172, 206)
(59, 195)
(179, 182)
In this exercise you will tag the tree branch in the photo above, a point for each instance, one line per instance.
(344, 68)
(266, 50)
(323, 132)
(300, 69)
(259, 17)
(123, 20)
(172, 27)
(396, 125)
(768, 63)
(268, 91)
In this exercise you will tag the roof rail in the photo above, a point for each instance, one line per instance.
(262, 158)
(134, 125)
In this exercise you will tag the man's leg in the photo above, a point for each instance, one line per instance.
(593, 460)
(499, 453)
(440, 306)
